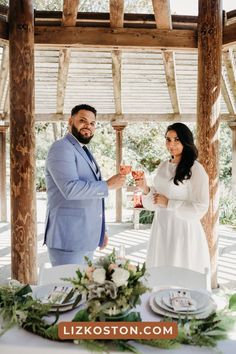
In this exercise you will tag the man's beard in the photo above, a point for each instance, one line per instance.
(81, 138)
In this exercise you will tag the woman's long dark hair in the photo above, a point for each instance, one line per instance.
(189, 154)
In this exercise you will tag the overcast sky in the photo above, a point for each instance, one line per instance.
(190, 7)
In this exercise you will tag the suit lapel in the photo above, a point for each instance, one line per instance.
(79, 148)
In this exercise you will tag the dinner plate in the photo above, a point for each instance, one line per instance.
(47, 294)
(201, 300)
(208, 310)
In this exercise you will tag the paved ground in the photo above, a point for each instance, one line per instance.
(135, 242)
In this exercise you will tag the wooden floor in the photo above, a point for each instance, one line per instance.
(135, 242)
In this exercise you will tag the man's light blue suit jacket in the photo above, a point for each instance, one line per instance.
(75, 192)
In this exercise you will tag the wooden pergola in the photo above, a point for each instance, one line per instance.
(132, 68)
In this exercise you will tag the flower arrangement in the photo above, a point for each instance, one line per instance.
(112, 286)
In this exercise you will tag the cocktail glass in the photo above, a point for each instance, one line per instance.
(125, 169)
(137, 174)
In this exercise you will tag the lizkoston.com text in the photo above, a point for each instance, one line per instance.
(117, 330)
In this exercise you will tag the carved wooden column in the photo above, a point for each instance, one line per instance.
(22, 134)
(208, 112)
(3, 194)
(119, 127)
(232, 125)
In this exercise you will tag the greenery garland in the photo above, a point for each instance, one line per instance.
(17, 307)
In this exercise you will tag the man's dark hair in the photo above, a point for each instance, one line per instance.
(86, 107)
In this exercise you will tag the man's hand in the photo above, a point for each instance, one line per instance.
(116, 181)
(105, 242)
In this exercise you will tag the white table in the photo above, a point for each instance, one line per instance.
(20, 341)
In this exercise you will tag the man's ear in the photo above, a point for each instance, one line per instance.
(70, 122)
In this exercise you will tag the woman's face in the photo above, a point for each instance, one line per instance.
(173, 144)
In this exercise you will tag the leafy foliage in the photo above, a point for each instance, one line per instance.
(146, 217)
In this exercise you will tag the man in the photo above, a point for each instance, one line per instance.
(75, 220)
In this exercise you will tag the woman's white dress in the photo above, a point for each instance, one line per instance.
(177, 236)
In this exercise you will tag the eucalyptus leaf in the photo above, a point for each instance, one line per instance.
(81, 316)
(77, 300)
(26, 289)
(232, 302)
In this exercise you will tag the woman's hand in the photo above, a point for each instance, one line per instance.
(142, 184)
(160, 199)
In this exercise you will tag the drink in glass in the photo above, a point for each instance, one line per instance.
(125, 169)
(138, 199)
(137, 174)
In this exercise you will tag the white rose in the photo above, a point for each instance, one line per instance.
(99, 275)
(120, 276)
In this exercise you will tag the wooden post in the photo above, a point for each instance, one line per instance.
(22, 138)
(232, 125)
(208, 112)
(3, 195)
(119, 127)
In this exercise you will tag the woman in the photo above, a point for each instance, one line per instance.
(180, 198)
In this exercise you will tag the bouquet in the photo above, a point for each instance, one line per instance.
(112, 286)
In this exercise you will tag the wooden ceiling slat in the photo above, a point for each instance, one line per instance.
(69, 15)
(116, 13)
(4, 72)
(169, 65)
(225, 91)
(230, 65)
(64, 60)
(161, 9)
(162, 14)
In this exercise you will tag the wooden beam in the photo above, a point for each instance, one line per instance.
(103, 17)
(227, 95)
(4, 30)
(116, 38)
(208, 113)
(116, 75)
(6, 106)
(229, 62)
(4, 71)
(161, 9)
(119, 127)
(116, 13)
(64, 61)
(69, 15)
(22, 142)
(127, 117)
(233, 128)
(3, 185)
(163, 20)
(169, 65)
(229, 35)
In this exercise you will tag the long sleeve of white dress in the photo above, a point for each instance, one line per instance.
(198, 201)
(148, 200)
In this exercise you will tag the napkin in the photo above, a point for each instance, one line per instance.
(59, 295)
(181, 300)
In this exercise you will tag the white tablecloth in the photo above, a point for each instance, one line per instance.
(20, 341)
